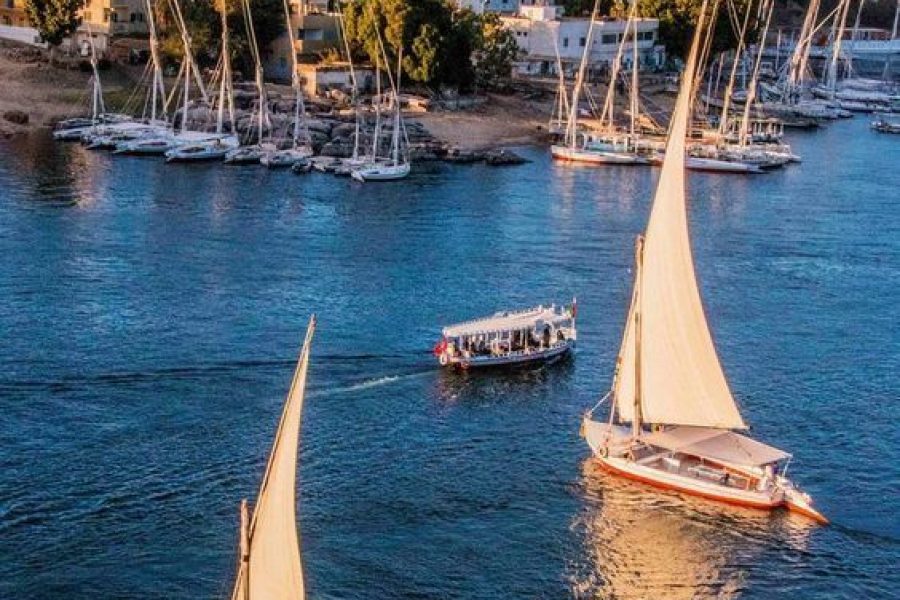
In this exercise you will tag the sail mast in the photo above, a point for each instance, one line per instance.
(754, 79)
(157, 92)
(639, 259)
(837, 40)
(225, 74)
(729, 89)
(572, 123)
(634, 75)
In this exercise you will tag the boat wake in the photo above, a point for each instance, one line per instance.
(366, 384)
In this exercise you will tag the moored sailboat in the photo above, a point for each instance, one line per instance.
(673, 421)
(269, 564)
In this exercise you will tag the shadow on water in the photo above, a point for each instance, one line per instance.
(501, 384)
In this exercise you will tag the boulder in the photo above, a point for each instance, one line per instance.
(500, 158)
(16, 116)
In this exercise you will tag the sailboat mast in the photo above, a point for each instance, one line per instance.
(355, 92)
(225, 74)
(729, 89)
(299, 107)
(571, 125)
(854, 36)
(751, 90)
(896, 21)
(639, 267)
(634, 76)
(395, 134)
(377, 133)
(157, 92)
(244, 549)
(836, 42)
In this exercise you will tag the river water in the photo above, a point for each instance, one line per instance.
(151, 315)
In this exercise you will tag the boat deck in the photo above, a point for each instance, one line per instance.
(693, 467)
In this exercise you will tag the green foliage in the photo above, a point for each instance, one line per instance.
(677, 19)
(442, 46)
(204, 23)
(54, 19)
(583, 8)
(496, 52)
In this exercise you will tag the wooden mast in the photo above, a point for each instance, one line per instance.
(639, 266)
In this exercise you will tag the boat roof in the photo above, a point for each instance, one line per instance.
(716, 444)
(509, 321)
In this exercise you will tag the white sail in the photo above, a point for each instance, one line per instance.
(681, 379)
(271, 568)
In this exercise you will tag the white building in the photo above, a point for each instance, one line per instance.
(497, 6)
(542, 32)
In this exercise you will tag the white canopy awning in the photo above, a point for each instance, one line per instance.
(511, 321)
(715, 444)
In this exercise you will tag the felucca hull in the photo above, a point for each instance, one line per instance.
(597, 157)
(611, 446)
(712, 165)
(631, 470)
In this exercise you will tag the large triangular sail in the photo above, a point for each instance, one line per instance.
(668, 360)
(270, 566)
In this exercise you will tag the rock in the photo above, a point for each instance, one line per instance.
(455, 155)
(499, 158)
(337, 149)
(16, 116)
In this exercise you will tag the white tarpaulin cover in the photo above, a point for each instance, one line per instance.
(682, 382)
(715, 444)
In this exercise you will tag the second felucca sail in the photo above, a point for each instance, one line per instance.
(270, 565)
(668, 375)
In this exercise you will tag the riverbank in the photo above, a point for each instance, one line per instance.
(37, 94)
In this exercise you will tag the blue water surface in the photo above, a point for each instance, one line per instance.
(151, 316)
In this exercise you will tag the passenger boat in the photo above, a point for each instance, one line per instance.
(673, 421)
(269, 562)
(883, 124)
(508, 338)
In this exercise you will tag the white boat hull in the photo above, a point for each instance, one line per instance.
(712, 165)
(597, 157)
(511, 358)
(381, 173)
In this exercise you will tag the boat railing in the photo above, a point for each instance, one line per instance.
(524, 352)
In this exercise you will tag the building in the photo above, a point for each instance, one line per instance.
(319, 79)
(497, 6)
(316, 30)
(101, 20)
(543, 33)
(12, 13)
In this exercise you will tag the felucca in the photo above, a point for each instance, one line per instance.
(673, 420)
(269, 564)
(396, 165)
(301, 146)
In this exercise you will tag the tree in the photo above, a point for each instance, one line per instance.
(422, 29)
(677, 19)
(497, 49)
(204, 23)
(55, 20)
